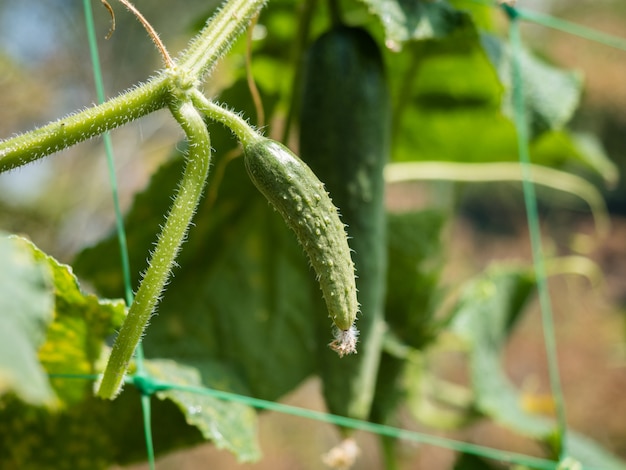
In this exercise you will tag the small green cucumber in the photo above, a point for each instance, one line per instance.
(300, 197)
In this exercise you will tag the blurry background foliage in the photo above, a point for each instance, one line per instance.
(455, 110)
(46, 73)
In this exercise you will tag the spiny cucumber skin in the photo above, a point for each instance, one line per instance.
(300, 198)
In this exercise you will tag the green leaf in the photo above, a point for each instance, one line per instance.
(415, 261)
(590, 454)
(230, 426)
(472, 462)
(68, 330)
(433, 401)
(84, 432)
(563, 149)
(462, 82)
(406, 20)
(90, 434)
(551, 94)
(485, 314)
(449, 84)
(26, 310)
(76, 338)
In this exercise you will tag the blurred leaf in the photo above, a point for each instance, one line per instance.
(485, 314)
(435, 402)
(473, 462)
(590, 454)
(415, 261)
(231, 426)
(462, 82)
(563, 149)
(406, 20)
(26, 310)
(551, 94)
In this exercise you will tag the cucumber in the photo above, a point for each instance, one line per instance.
(299, 196)
(345, 138)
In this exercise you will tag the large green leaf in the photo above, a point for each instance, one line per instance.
(85, 432)
(76, 338)
(89, 434)
(26, 310)
(462, 81)
(230, 426)
(447, 94)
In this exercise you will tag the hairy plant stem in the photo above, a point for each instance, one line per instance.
(239, 126)
(168, 246)
(213, 42)
(193, 65)
(64, 133)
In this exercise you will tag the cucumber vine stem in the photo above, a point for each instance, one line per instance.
(229, 22)
(240, 127)
(167, 247)
(64, 133)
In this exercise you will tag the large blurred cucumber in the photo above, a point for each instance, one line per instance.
(344, 137)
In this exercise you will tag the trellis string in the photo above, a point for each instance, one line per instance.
(530, 201)
(119, 219)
